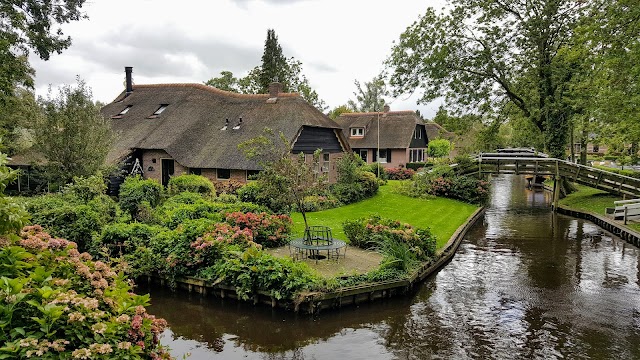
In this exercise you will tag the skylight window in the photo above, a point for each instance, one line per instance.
(162, 108)
(125, 110)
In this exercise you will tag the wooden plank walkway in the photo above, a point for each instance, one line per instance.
(600, 179)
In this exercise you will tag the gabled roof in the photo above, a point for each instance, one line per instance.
(396, 128)
(434, 131)
(189, 129)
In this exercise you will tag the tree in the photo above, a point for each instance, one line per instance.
(342, 109)
(274, 64)
(16, 116)
(457, 124)
(286, 178)
(494, 56)
(73, 136)
(26, 25)
(369, 98)
(12, 214)
(275, 68)
(439, 148)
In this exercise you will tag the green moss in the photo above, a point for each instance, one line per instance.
(442, 215)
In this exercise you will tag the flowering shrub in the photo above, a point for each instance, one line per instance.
(209, 247)
(56, 303)
(376, 232)
(399, 174)
(442, 181)
(229, 187)
(268, 230)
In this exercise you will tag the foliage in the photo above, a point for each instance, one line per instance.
(338, 110)
(16, 115)
(354, 183)
(439, 148)
(58, 303)
(12, 214)
(442, 181)
(73, 136)
(625, 172)
(501, 58)
(230, 187)
(191, 183)
(385, 234)
(86, 188)
(286, 180)
(136, 191)
(254, 270)
(314, 203)
(371, 97)
(376, 169)
(267, 230)
(399, 173)
(36, 25)
(419, 165)
(274, 64)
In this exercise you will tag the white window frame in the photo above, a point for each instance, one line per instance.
(357, 131)
(416, 155)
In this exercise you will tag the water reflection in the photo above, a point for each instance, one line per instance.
(526, 283)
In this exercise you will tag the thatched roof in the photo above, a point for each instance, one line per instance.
(396, 128)
(434, 131)
(189, 129)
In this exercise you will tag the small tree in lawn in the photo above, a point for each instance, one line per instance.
(439, 148)
(286, 178)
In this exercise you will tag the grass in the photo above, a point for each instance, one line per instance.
(593, 200)
(442, 215)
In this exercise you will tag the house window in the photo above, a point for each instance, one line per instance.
(357, 131)
(162, 108)
(324, 168)
(195, 171)
(596, 148)
(125, 110)
(252, 174)
(382, 156)
(416, 155)
(223, 174)
(417, 133)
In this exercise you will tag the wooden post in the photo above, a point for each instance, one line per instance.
(555, 194)
(625, 214)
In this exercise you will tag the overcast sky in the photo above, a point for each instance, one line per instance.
(337, 41)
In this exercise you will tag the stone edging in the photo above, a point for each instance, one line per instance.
(625, 233)
(313, 303)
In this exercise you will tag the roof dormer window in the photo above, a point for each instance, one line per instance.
(357, 131)
(121, 113)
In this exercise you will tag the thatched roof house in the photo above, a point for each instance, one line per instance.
(192, 128)
(400, 136)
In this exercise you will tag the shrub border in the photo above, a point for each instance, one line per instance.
(314, 302)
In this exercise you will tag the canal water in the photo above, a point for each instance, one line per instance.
(525, 284)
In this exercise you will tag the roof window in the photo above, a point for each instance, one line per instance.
(226, 124)
(238, 124)
(121, 113)
(161, 109)
(357, 131)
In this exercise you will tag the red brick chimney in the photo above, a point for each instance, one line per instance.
(275, 88)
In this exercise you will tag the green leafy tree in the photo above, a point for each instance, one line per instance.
(31, 25)
(12, 214)
(16, 116)
(370, 97)
(226, 82)
(73, 136)
(342, 109)
(439, 148)
(494, 56)
(286, 178)
(457, 124)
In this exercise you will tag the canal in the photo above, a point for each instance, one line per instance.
(525, 284)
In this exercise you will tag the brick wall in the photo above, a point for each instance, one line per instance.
(154, 170)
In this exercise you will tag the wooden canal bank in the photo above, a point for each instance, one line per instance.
(614, 227)
(314, 302)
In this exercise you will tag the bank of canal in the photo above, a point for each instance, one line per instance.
(525, 283)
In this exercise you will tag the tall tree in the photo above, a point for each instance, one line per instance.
(274, 65)
(494, 56)
(16, 116)
(26, 25)
(370, 97)
(73, 135)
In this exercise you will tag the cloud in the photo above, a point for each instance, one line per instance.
(276, 2)
(323, 67)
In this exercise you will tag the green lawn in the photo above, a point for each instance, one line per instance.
(592, 200)
(442, 215)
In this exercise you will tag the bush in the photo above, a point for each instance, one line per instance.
(319, 203)
(191, 183)
(59, 304)
(442, 181)
(418, 165)
(135, 191)
(399, 174)
(267, 230)
(365, 185)
(253, 193)
(228, 187)
(86, 189)
(377, 170)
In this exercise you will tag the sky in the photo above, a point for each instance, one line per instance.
(191, 41)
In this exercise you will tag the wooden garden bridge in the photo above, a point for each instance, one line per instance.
(526, 162)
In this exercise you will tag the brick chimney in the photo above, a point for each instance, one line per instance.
(275, 88)
(386, 108)
(128, 70)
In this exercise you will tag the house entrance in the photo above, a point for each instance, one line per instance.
(363, 154)
(167, 170)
